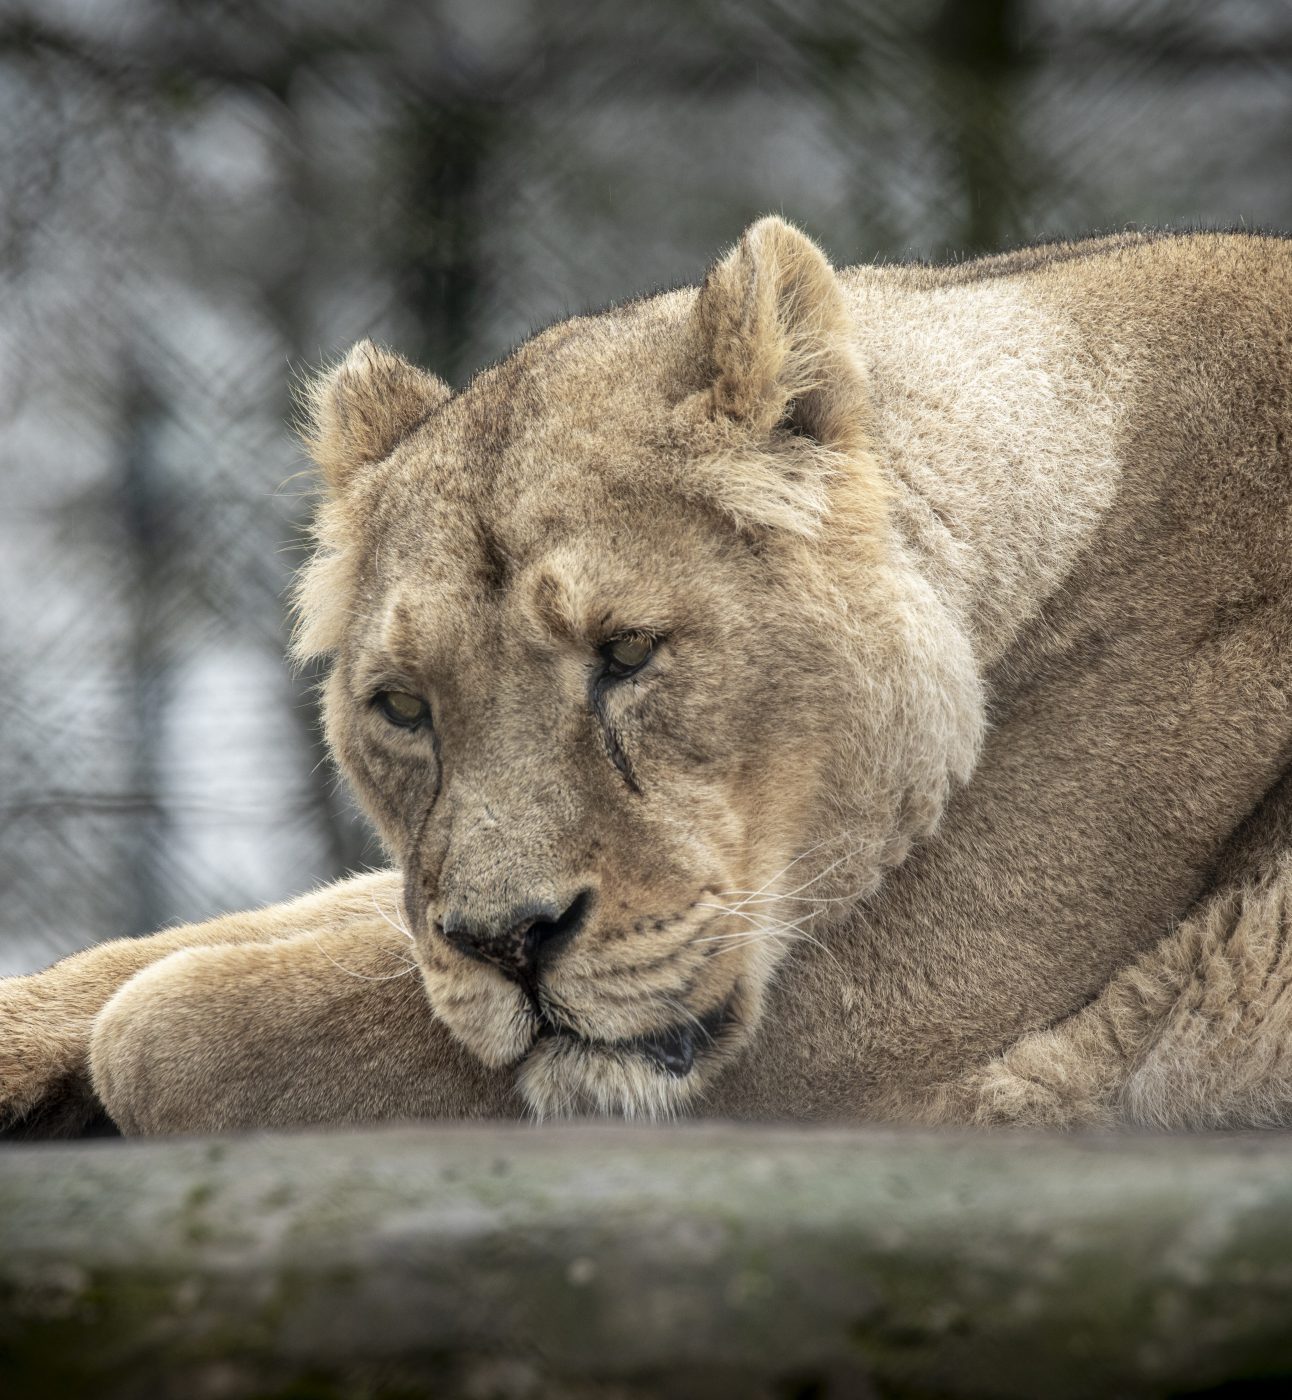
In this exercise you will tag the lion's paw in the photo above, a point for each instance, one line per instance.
(45, 1022)
(42, 1049)
(1037, 1083)
(1001, 1098)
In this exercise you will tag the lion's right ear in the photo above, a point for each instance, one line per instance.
(774, 326)
(777, 414)
(357, 413)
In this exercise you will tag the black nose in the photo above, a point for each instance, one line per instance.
(519, 940)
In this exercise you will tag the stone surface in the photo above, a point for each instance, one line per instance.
(614, 1261)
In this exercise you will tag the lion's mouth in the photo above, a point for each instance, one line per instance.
(672, 1049)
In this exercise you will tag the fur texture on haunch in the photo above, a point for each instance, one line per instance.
(953, 786)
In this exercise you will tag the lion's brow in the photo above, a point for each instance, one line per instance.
(409, 638)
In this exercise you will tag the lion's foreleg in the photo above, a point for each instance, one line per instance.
(328, 1027)
(46, 1018)
(1196, 1033)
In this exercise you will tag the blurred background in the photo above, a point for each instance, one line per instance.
(199, 199)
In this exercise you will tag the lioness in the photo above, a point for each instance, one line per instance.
(815, 695)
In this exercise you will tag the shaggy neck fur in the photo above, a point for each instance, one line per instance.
(998, 434)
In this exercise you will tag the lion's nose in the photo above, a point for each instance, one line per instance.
(519, 940)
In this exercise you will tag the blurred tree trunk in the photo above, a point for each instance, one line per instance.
(445, 148)
(146, 530)
(978, 51)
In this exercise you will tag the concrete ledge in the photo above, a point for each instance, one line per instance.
(615, 1261)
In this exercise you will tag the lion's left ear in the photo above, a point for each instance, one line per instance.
(772, 320)
(357, 413)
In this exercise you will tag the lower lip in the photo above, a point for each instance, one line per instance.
(674, 1051)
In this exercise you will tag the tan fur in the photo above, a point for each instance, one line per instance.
(956, 781)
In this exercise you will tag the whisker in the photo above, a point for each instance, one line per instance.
(782, 929)
(758, 931)
(398, 927)
(764, 893)
(757, 923)
(821, 874)
(802, 855)
(757, 898)
(365, 976)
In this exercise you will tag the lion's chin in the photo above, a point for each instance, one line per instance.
(650, 1076)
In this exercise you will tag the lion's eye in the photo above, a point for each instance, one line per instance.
(399, 707)
(624, 655)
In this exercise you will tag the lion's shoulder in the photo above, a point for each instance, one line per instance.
(1097, 256)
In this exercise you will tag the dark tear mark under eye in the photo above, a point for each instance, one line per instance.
(439, 767)
(610, 736)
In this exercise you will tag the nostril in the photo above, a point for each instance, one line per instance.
(458, 934)
(547, 936)
(517, 942)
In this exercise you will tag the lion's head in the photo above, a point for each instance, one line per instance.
(629, 668)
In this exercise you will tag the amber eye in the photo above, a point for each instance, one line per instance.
(403, 709)
(627, 654)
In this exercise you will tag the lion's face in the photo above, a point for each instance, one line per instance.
(585, 744)
(601, 683)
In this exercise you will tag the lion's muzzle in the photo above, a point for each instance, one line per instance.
(520, 939)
